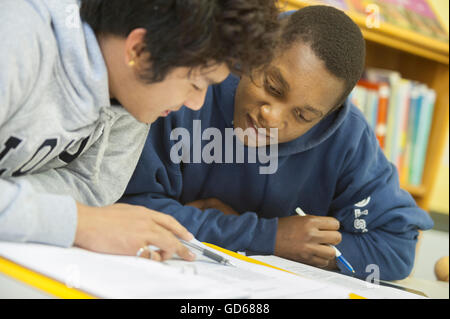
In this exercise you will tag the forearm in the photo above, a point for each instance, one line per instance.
(237, 233)
(28, 216)
(390, 255)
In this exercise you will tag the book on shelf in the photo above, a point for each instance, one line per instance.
(382, 108)
(415, 15)
(400, 112)
(400, 124)
(425, 117)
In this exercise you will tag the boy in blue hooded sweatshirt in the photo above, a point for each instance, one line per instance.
(305, 146)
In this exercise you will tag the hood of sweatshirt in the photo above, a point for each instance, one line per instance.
(54, 93)
(79, 63)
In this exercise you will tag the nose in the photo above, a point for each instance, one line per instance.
(196, 99)
(271, 116)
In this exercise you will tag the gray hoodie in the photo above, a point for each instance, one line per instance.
(61, 140)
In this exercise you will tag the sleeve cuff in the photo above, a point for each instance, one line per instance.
(56, 221)
(263, 241)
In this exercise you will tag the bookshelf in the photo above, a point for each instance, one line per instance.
(417, 58)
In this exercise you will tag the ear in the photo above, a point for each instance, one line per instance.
(135, 46)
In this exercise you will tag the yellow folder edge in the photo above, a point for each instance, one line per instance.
(60, 290)
(245, 258)
(254, 261)
(41, 282)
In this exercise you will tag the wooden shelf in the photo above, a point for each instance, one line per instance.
(393, 36)
(417, 58)
(415, 191)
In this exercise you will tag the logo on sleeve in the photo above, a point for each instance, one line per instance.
(363, 203)
(360, 223)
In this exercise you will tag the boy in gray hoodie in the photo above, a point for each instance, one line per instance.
(80, 83)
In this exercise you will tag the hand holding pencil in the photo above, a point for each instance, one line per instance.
(307, 240)
(339, 257)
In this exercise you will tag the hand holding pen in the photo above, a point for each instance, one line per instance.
(339, 257)
(307, 240)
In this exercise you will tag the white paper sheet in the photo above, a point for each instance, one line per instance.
(260, 281)
(111, 276)
(357, 286)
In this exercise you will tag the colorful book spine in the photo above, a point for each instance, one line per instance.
(358, 98)
(394, 82)
(401, 125)
(416, 105)
(370, 108)
(383, 102)
(423, 132)
(374, 113)
(409, 134)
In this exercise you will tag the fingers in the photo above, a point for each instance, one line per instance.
(197, 204)
(319, 262)
(169, 244)
(165, 255)
(128, 229)
(326, 230)
(203, 203)
(329, 237)
(322, 256)
(324, 251)
(185, 253)
(327, 223)
(312, 236)
(171, 224)
(149, 253)
(156, 254)
(163, 233)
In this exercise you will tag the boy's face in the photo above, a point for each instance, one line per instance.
(126, 59)
(293, 95)
(181, 86)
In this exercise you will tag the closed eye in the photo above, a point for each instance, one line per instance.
(275, 84)
(272, 90)
(299, 114)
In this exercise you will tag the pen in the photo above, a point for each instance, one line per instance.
(339, 255)
(209, 254)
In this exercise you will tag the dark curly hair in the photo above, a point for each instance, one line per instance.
(333, 37)
(192, 33)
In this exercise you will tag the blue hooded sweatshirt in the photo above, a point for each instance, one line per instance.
(336, 169)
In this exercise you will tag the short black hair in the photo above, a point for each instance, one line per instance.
(192, 33)
(333, 37)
